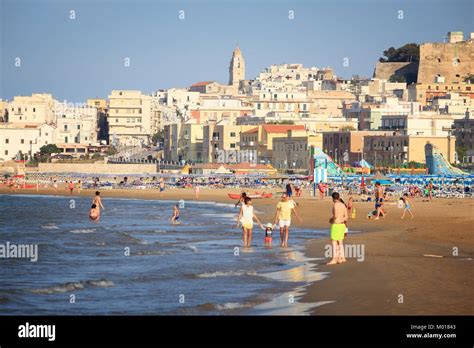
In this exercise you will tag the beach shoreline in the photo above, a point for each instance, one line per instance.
(409, 266)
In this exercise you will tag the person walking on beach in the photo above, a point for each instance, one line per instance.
(430, 190)
(162, 185)
(406, 206)
(246, 217)
(98, 201)
(350, 206)
(379, 195)
(289, 190)
(71, 187)
(321, 189)
(79, 186)
(338, 229)
(243, 195)
(175, 216)
(196, 191)
(283, 217)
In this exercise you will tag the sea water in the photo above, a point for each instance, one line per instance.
(135, 262)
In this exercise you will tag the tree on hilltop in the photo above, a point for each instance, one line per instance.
(407, 53)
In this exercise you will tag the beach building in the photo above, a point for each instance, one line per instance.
(76, 124)
(328, 102)
(183, 142)
(453, 104)
(463, 130)
(426, 123)
(396, 149)
(294, 152)
(222, 137)
(345, 147)
(131, 122)
(34, 109)
(25, 138)
(102, 118)
(212, 110)
(260, 139)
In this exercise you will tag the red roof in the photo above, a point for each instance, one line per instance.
(202, 83)
(281, 128)
(253, 130)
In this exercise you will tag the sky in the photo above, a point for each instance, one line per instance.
(44, 50)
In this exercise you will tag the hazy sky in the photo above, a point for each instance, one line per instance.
(82, 58)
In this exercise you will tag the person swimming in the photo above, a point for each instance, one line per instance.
(94, 213)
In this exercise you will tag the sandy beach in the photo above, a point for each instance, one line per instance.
(410, 267)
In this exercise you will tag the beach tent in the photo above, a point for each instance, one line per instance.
(364, 164)
(222, 170)
(382, 179)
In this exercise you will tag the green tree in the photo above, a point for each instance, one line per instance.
(111, 151)
(407, 53)
(397, 78)
(49, 149)
(462, 152)
(158, 137)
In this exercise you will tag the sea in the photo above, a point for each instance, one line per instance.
(135, 262)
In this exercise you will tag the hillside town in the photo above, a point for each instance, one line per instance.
(273, 121)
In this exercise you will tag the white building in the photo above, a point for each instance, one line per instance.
(24, 138)
(131, 121)
(76, 124)
(37, 109)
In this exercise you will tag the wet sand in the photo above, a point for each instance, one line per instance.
(394, 277)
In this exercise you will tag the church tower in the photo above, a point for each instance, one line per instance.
(236, 68)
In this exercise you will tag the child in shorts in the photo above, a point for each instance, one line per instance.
(268, 235)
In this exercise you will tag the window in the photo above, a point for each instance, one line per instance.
(232, 146)
(232, 134)
(78, 126)
(6, 152)
(34, 109)
(116, 120)
(22, 141)
(7, 141)
(468, 88)
(65, 127)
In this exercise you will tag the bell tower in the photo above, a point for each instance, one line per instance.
(236, 68)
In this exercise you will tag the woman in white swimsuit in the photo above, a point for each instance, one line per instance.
(246, 216)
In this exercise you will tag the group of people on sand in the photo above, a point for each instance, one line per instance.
(284, 210)
(380, 211)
